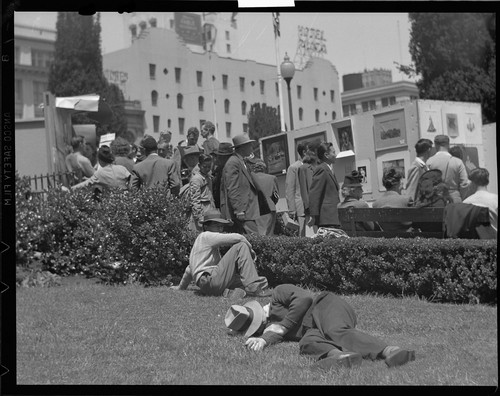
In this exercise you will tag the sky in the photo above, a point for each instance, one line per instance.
(354, 41)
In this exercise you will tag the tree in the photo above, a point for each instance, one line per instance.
(263, 121)
(77, 69)
(455, 56)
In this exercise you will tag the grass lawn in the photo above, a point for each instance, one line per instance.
(86, 333)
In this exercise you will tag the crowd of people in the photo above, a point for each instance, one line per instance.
(227, 194)
(228, 177)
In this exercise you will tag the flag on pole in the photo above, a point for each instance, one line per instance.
(276, 24)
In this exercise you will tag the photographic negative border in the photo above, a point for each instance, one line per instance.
(386, 121)
(276, 166)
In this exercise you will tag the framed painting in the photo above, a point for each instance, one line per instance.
(430, 120)
(344, 139)
(389, 130)
(275, 154)
(315, 137)
(472, 125)
(364, 168)
(399, 160)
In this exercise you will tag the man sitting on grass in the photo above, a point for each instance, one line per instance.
(216, 275)
(324, 326)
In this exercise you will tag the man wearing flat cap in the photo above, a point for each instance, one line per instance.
(154, 170)
(239, 196)
(108, 175)
(452, 168)
(216, 275)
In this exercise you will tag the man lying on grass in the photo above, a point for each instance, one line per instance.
(228, 275)
(324, 326)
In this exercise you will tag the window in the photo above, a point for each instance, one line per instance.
(364, 106)
(152, 71)
(19, 99)
(17, 55)
(169, 123)
(316, 115)
(181, 126)
(199, 78)
(277, 90)
(156, 123)
(154, 98)
(177, 74)
(242, 84)
(262, 86)
(243, 108)
(245, 128)
(352, 109)
(373, 105)
(38, 88)
(345, 110)
(228, 48)
(301, 113)
(334, 115)
(299, 91)
(171, 23)
(41, 58)
(228, 129)
(224, 81)
(315, 93)
(226, 106)
(179, 101)
(201, 103)
(332, 96)
(392, 100)
(227, 35)
(385, 102)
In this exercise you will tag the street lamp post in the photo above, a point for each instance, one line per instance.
(287, 71)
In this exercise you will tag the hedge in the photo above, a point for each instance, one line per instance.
(142, 236)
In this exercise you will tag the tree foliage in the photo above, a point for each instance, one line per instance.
(263, 121)
(454, 53)
(77, 68)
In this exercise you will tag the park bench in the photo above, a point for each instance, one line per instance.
(349, 216)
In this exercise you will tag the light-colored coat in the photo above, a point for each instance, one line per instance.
(293, 197)
(155, 170)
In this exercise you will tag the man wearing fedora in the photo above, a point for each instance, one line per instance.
(452, 168)
(221, 155)
(108, 175)
(352, 191)
(239, 196)
(213, 274)
(324, 325)
(154, 170)
(179, 152)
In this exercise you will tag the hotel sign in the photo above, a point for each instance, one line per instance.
(312, 41)
(188, 27)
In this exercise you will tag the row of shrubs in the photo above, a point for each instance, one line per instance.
(141, 236)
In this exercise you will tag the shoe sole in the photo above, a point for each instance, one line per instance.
(399, 358)
(349, 361)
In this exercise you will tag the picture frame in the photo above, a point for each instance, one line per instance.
(275, 154)
(430, 120)
(399, 159)
(344, 138)
(320, 136)
(472, 125)
(389, 130)
(364, 168)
